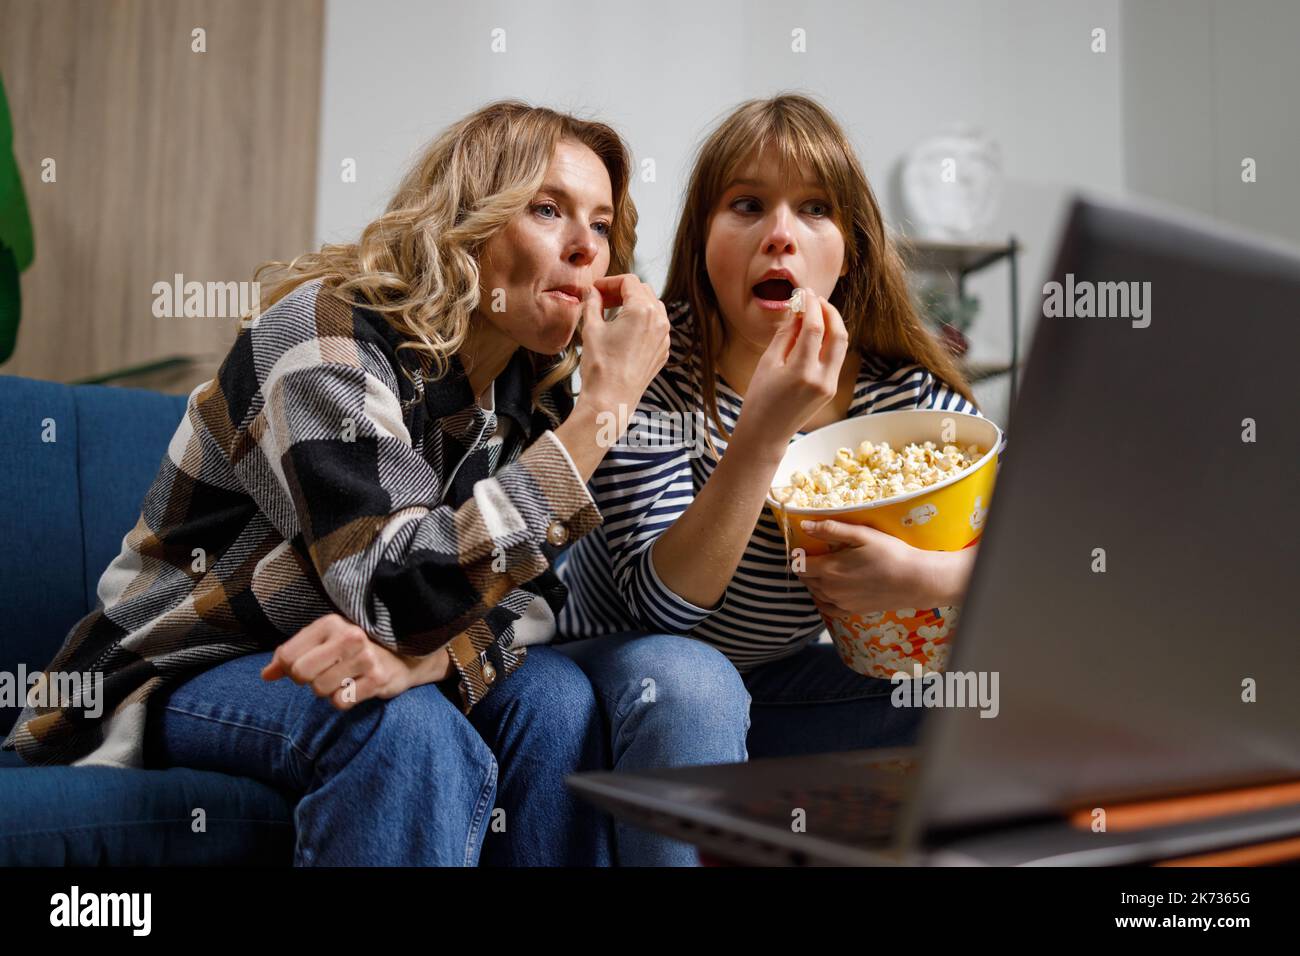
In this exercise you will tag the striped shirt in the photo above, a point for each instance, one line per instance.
(765, 613)
(323, 471)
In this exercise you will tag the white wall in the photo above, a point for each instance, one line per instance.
(1205, 86)
(396, 71)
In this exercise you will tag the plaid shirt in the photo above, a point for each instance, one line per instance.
(311, 475)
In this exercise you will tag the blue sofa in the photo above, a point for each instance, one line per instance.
(65, 508)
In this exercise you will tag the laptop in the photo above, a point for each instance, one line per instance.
(1130, 593)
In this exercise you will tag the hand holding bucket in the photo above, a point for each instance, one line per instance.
(946, 516)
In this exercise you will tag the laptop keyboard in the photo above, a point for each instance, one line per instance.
(848, 812)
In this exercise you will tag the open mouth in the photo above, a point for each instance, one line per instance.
(773, 293)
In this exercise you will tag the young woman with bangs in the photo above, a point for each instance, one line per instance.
(707, 649)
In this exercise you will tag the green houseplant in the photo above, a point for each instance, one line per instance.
(16, 244)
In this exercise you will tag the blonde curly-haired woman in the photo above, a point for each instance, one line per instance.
(368, 499)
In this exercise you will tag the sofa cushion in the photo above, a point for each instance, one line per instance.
(42, 557)
(122, 436)
(10, 758)
(68, 503)
(95, 816)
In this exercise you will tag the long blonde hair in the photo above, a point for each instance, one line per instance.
(417, 264)
(872, 296)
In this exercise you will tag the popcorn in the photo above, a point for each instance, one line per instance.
(874, 472)
(796, 302)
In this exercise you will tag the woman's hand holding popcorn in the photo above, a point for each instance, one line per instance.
(797, 374)
(874, 571)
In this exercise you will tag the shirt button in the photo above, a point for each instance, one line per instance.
(557, 533)
(489, 672)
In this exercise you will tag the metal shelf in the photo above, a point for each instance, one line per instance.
(176, 374)
(982, 371)
(961, 259)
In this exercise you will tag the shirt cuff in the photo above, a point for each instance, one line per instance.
(669, 607)
(568, 511)
(573, 511)
(474, 673)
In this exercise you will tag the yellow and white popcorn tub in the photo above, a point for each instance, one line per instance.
(946, 516)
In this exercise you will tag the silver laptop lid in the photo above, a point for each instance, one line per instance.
(1131, 443)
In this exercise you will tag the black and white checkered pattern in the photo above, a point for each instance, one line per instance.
(308, 475)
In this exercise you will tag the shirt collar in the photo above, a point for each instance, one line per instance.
(449, 398)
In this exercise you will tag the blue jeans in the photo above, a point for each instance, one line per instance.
(705, 712)
(408, 781)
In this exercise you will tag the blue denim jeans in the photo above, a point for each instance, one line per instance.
(409, 780)
(673, 701)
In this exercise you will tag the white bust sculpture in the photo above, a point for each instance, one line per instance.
(952, 184)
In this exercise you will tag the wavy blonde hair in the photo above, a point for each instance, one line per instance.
(417, 264)
(872, 296)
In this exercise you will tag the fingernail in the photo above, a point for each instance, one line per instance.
(810, 525)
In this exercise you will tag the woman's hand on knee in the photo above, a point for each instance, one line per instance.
(339, 661)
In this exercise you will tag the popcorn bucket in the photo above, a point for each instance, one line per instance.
(946, 516)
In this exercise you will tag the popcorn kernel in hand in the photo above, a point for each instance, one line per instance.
(796, 302)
